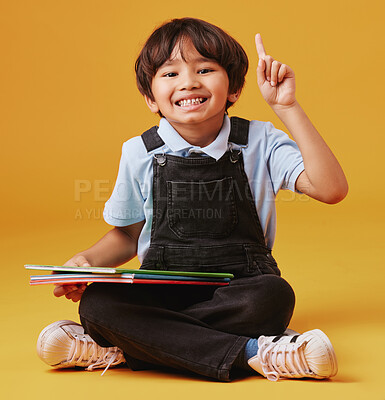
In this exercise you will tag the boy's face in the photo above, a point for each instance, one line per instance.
(191, 92)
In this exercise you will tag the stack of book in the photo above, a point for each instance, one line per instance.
(72, 275)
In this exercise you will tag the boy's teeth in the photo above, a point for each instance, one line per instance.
(189, 102)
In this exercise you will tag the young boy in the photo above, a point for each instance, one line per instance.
(197, 193)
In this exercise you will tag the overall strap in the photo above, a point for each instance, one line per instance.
(239, 133)
(151, 139)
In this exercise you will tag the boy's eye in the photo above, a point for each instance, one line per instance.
(204, 70)
(170, 74)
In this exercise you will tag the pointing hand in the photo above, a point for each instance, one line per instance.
(276, 81)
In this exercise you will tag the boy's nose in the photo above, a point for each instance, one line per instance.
(189, 81)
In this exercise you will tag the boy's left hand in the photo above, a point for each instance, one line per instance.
(276, 81)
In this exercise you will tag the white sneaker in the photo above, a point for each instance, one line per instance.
(63, 344)
(310, 355)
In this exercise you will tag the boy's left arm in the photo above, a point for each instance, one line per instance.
(323, 178)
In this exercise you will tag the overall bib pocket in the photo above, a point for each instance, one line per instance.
(201, 209)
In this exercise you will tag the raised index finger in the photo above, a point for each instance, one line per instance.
(260, 48)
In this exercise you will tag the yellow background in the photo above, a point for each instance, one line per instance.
(69, 101)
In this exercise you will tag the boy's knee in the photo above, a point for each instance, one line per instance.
(278, 293)
(94, 300)
(280, 302)
(280, 289)
(271, 289)
(269, 305)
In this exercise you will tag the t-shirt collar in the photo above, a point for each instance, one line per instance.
(175, 142)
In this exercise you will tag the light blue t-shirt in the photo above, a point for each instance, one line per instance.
(272, 162)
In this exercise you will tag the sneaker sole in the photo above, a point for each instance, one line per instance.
(47, 331)
(330, 351)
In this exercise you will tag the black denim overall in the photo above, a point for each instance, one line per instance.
(204, 219)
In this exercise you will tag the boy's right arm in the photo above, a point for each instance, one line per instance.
(115, 248)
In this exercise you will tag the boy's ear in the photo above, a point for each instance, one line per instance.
(151, 104)
(233, 97)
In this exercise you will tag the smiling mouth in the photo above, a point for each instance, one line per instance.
(191, 102)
